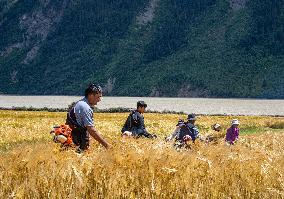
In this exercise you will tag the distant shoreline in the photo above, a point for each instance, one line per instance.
(200, 106)
(120, 110)
(79, 96)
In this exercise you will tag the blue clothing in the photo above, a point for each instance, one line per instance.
(84, 113)
(187, 129)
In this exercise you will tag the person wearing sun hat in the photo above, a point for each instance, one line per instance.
(233, 132)
(213, 135)
(216, 127)
(185, 131)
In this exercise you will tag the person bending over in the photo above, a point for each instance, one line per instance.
(80, 119)
(134, 125)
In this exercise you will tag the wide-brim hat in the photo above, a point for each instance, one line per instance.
(191, 117)
(215, 126)
(235, 121)
(141, 104)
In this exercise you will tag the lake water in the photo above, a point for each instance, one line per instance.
(187, 105)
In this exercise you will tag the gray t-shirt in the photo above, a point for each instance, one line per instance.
(84, 113)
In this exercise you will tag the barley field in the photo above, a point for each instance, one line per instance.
(32, 166)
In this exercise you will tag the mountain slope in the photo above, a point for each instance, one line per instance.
(186, 48)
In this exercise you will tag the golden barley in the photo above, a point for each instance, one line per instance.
(32, 166)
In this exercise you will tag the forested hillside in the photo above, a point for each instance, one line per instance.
(184, 48)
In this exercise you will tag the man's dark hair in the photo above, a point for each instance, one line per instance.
(93, 89)
(141, 104)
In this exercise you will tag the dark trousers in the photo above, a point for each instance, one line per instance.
(141, 133)
(81, 138)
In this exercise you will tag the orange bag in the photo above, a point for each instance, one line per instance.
(64, 130)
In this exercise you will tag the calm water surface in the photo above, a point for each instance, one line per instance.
(187, 105)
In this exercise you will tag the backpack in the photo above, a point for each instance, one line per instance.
(132, 120)
(186, 129)
(62, 134)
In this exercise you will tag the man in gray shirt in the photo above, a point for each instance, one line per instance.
(80, 119)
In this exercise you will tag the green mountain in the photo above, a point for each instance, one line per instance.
(184, 48)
